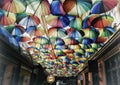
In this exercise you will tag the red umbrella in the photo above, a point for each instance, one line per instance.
(102, 21)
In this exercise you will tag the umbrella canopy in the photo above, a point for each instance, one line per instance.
(38, 7)
(14, 6)
(30, 20)
(7, 18)
(103, 6)
(58, 21)
(76, 23)
(102, 21)
(91, 33)
(41, 40)
(57, 8)
(56, 32)
(16, 30)
(77, 35)
(77, 7)
(107, 31)
(86, 22)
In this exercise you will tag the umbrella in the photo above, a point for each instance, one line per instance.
(56, 32)
(91, 33)
(25, 38)
(106, 32)
(41, 40)
(14, 6)
(77, 35)
(57, 41)
(102, 21)
(7, 19)
(38, 7)
(20, 16)
(101, 39)
(58, 21)
(86, 22)
(77, 7)
(103, 6)
(87, 41)
(57, 8)
(70, 41)
(30, 20)
(76, 23)
(74, 46)
(39, 31)
(15, 30)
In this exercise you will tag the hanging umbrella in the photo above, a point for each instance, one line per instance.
(30, 20)
(7, 19)
(77, 35)
(96, 45)
(25, 38)
(14, 6)
(101, 39)
(87, 41)
(59, 52)
(103, 6)
(76, 23)
(57, 21)
(41, 40)
(74, 46)
(81, 51)
(57, 8)
(20, 16)
(86, 22)
(38, 7)
(39, 31)
(70, 41)
(15, 30)
(106, 32)
(91, 33)
(57, 41)
(102, 21)
(77, 7)
(31, 44)
(56, 32)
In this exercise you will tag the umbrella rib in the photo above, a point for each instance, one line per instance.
(37, 7)
(9, 8)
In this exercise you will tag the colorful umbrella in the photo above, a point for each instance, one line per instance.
(57, 41)
(56, 32)
(41, 40)
(15, 30)
(77, 35)
(7, 18)
(74, 46)
(70, 41)
(14, 6)
(103, 6)
(77, 7)
(106, 32)
(30, 20)
(39, 7)
(91, 33)
(101, 39)
(87, 41)
(76, 23)
(20, 16)
(86, 23)
(58, 21)
(39, 31)
(57, 8)
(102, 21)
